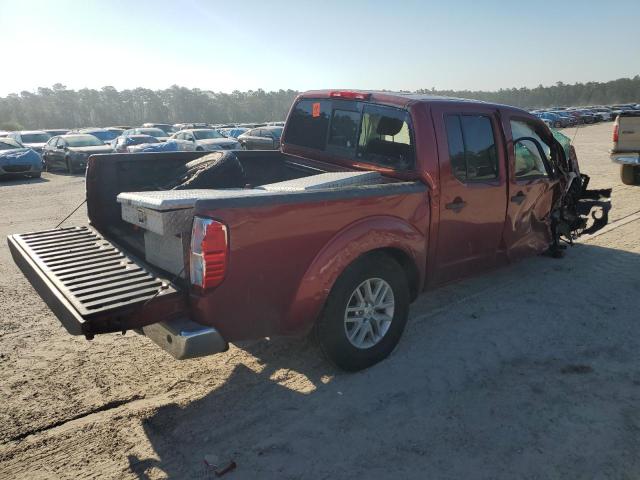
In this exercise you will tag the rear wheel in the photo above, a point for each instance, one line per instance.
(630, 174)
(365, 314)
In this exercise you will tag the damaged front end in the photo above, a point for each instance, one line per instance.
(578, 210)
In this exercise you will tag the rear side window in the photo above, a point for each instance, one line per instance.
(472, 147)
(309, 124)
(385, 137)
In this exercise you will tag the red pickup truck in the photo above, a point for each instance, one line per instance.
(373, 198)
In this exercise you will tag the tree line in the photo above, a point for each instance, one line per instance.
(59, 107)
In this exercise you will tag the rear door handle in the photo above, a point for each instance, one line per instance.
(518, 198)
(457, 205)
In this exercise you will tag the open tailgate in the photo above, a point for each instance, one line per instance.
(90, 284)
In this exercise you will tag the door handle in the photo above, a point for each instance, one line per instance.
(518, 198)
(457, 205)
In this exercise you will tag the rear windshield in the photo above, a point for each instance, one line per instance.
(365, 132)
(154, 132)
(35, 137)
(206, 134)
(83, 141)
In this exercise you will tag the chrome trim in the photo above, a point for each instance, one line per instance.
(184, 338)
(626, 158)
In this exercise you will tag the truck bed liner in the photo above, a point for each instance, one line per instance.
(84, 278)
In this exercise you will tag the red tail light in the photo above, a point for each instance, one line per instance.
(209, 252)
(349, 95)
(615, 133)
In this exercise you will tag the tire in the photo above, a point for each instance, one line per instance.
(336, 324)
(199, 149)
(36, 175)
(630, 174)
(70, 168)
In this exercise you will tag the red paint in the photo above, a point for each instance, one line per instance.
(284, 259)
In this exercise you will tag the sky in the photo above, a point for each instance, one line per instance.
(301, 45)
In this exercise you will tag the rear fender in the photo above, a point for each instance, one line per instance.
(359, 238)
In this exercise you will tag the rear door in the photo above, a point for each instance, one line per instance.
(473, 190)
(531, 187)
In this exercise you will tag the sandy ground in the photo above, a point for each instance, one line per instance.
(528, 372)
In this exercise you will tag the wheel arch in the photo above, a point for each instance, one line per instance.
(392, 236)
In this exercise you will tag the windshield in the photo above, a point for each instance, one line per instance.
(206, 134)
(9, 144)
(154, 132)
(277, 132)
(83, 141)
(35, 137)
(105, 136)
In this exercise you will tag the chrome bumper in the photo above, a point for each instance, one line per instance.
(626, 158)
(183, 338)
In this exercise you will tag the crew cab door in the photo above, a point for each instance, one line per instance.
(531, 187)
(472, 204)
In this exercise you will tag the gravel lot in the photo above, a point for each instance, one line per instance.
(532, 371)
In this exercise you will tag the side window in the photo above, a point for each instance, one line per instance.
(344, 129)
(472, 147)
(385, 137)
(309, 123)
(529, 161)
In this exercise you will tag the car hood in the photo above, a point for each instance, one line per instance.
(217, 141)
(92, 149)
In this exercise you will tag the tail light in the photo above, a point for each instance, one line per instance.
(615, 133)
(209, 252)
(350, 95)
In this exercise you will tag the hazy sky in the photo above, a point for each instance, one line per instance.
(246, 44)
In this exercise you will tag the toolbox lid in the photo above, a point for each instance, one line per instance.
(180, 199)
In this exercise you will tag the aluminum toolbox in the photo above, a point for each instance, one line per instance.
(89, 283)
(170, 212)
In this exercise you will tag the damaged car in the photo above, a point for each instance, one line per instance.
(372, 199)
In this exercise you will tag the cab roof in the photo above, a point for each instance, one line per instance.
(399, 99)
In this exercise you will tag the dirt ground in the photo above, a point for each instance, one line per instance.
(529, 372)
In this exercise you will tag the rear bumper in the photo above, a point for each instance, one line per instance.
(183, 338)
(626, 158)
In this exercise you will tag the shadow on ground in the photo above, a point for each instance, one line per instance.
(532, 371)
(19, 180)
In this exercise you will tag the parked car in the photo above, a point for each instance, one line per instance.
(71, 151)
(56, 131)
(372, 199)
(34, 139)
(555, 120)
(16, 159)
(626, 146)
(263, 138)
(233, 132)
(604, 113)
(154, 132)
(566, 119)
(103, 134)
(205, 139)
(165, 127)
(124, 143)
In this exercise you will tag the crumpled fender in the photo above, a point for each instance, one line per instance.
(363, 236)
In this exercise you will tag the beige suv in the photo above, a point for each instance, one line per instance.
(626, 147)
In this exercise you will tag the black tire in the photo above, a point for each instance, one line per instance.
(35, 175)
(630, 174)
(70, 168)
(330, 330)
(199, 149)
